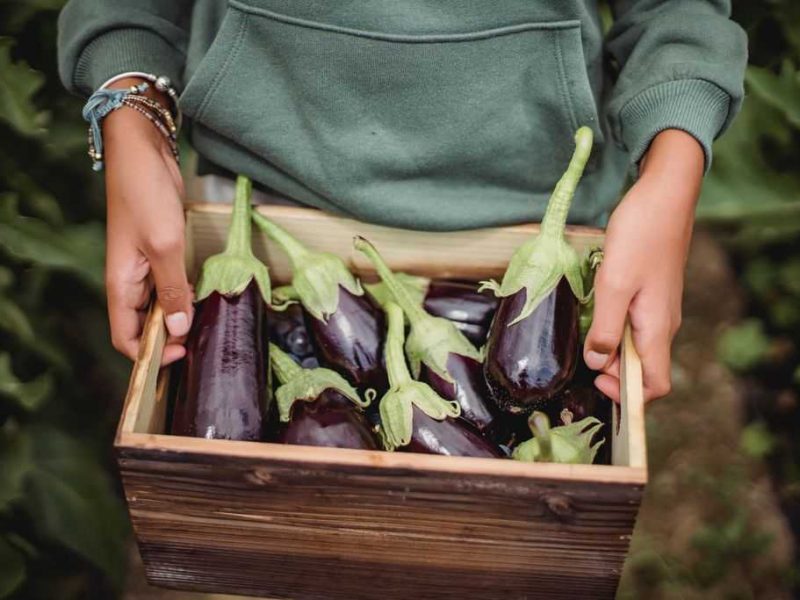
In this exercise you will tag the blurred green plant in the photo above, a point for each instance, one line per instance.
(63, 529)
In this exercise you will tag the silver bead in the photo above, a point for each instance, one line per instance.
(163, 83)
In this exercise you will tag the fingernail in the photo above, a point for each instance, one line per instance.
(178, 324)
(595, 360)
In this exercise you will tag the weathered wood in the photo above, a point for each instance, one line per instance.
(295, 529)
(311, 523)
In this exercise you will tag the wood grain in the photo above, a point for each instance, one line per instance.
(303, 530)
(308, 523)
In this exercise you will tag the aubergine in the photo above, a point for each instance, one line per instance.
(287, 330)
(569, 444)
(582, 400)
(458, 301)
(439, 354)
(346, 327)
(224, 389)
(414, 418)
(318, 407)
(532, 348)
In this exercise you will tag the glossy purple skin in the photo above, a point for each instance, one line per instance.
(222, 394)
(451, 437)
(351, 341)
(287, 330)
(584, 400)
(469, 391)
(460, 302)
(529, 362)
(331, 420)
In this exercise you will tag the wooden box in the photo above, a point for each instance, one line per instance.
(305, 523)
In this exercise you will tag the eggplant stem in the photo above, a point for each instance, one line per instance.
(284, 366)
(555, 217)
(394, 357)
(293, 248)
(240, 231)
(540, 426)
(413, 311)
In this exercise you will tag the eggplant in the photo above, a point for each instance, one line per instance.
(458, 301)
(318, 407)
(414, 418)
(582, 400)
(531, 351)
(568, 444)
(287, 330)
(346, 327)
(439, 353)
(224, 390)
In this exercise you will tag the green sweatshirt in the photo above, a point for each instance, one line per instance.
(427, 114)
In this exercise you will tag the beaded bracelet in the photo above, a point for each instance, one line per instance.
(104, 101)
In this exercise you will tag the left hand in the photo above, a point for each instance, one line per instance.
(641, 277)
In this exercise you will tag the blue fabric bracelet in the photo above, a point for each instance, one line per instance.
(100, 104)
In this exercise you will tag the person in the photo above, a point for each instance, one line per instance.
(428, 114)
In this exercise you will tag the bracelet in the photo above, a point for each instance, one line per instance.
(161, 83)
(104, 101)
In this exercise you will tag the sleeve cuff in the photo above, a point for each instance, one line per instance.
(695, 106)
(122, 50)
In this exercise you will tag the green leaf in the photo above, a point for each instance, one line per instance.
(754, 183)
(18, 85)
(75, 248)
(779, 91)
(756, 440)
(71, 502)
(12, 568)
(14, 320)
(744, 346)
(15, 463)
(28, 395)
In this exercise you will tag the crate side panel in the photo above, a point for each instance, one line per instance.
(303, 531)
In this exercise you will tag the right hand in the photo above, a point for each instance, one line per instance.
(145, 231)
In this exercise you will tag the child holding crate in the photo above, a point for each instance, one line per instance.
(442, 115)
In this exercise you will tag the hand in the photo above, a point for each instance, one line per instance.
(641, 277)
(145, 230)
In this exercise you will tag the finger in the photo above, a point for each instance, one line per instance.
(125, 301)
(612, 299)
(608, 385)
(172, 353)
(653, 344)
(172, 287)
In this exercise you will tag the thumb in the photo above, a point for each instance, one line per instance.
(172, 286)
(608, 323)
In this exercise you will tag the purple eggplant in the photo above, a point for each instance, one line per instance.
(317, 407)
(458, 301)
(568, 444)
(287, 330)
(439, 353)
(223, 393)
(531, 351)
(414, 418)
(346, 327)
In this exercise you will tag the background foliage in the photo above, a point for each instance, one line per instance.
(62, 524)
(63, 531)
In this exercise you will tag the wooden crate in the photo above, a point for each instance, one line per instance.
(307, 523)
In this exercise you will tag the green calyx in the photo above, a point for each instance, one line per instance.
(589, 267)
(568, 444)
(431, 339)
(230, 272)
(540, 263)
(417, 288)
(299, 384)
(316, 276)
(397, 405)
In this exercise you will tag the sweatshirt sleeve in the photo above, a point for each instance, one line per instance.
(98, 39)
(679, 65)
